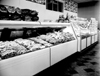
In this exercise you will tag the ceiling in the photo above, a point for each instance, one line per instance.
(86, 3)
(83, 1)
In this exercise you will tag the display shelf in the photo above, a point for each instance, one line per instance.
(88, 41)
(83, 44)
(17, 24)
(20, 24)
(31, 63)
(26, 65)
(62, 51)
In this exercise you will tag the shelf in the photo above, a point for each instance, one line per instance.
(17, 24)
(20, 24)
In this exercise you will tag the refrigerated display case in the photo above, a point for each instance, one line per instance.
(86, 31)
(89, 31)
(31, 47)
(84, 34)
(28, 60)
(63, 50)
(80, 27)
(93, 27)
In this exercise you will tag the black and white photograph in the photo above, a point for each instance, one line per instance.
(49, 37)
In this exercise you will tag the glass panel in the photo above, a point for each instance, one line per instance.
(55, 7)
(60, 7)
(49, 6)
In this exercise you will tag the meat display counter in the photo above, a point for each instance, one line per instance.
(86, 32)
(65, 49)
(93, 27)
(81, 34)
(26, 48)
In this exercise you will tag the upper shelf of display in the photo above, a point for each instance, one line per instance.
(17, 22)
(20, 24)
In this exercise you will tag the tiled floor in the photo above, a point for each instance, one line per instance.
(85, 65)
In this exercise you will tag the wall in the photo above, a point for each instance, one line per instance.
(10, 2)
(43, 13)
(88, 11)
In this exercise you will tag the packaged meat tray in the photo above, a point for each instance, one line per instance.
(10, 49)
(31, 45)
(40, 41)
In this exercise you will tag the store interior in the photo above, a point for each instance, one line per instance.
(49, 37)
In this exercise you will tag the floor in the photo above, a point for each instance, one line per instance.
(82, 64)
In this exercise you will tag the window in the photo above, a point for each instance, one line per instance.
(60, 6)
(54, 5)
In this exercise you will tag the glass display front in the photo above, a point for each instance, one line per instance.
(93, 27)
(84, 28)
(76, 28)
